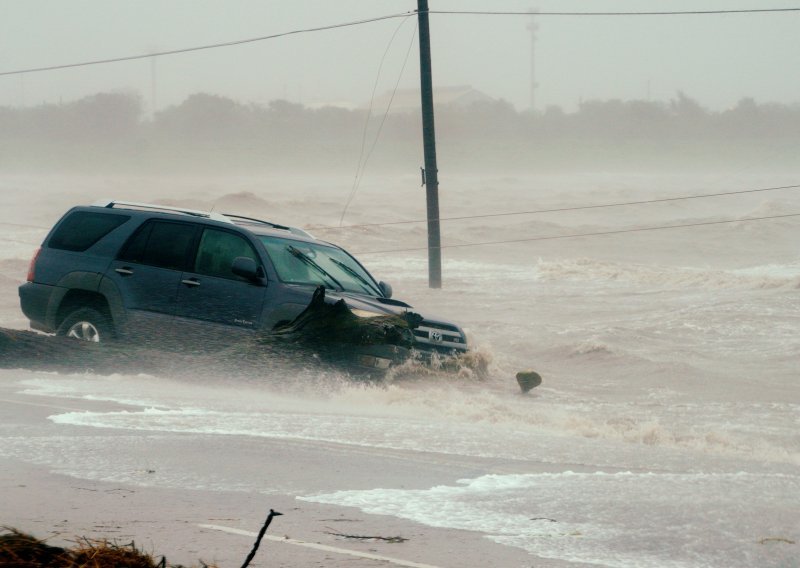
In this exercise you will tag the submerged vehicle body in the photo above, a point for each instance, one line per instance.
(142, 272)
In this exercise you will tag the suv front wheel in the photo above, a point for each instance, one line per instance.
(87, 324)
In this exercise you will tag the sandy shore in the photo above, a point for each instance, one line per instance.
(174, 522)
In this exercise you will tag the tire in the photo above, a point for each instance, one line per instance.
(87, 324)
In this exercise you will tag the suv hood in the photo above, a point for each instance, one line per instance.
(370, 303)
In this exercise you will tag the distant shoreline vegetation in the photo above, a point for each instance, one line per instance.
(110, 132)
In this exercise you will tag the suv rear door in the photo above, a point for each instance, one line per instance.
(147, 272)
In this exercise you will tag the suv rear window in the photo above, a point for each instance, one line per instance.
(82, 229)
(160, 243)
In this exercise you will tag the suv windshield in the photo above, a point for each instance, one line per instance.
(300, 262)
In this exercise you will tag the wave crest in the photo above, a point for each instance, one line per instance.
(757, 277)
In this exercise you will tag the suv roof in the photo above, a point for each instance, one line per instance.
(220, 217)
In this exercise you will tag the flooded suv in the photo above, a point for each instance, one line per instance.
(124, 270)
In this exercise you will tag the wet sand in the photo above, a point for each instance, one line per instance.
(174, 522)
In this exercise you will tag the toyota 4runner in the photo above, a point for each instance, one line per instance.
(125, 270)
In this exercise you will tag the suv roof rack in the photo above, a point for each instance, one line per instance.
(222, 217)
(110, 204)
(253, 220)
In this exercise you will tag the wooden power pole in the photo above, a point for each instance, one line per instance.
(431, 174)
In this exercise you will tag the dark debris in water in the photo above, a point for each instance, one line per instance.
(528, 380)
(392, 539)
(22, 550)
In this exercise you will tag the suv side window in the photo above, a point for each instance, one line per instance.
(163, 244)
(82, 229)
(217, 251)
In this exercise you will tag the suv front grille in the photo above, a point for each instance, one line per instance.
(439, 337)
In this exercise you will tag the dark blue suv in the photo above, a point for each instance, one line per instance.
(132, 270)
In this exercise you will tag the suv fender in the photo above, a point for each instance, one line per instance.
(76, 290)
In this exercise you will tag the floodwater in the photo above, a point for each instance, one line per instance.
(665, 432)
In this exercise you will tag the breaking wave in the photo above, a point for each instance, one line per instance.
(592, 346)
(757, 277)
(451, 418)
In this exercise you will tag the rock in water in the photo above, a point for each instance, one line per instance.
(528, 380)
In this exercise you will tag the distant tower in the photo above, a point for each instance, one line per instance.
(153, 86)
(533, 27)
(153, 80)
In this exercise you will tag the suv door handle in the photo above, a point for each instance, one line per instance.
(124, 271)
(191, 282)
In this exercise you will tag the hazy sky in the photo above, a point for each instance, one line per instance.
(714, 59)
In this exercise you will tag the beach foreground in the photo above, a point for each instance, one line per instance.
(219, 525)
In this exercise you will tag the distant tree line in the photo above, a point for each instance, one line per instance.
(111, 132)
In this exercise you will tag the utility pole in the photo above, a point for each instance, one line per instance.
(431, 173)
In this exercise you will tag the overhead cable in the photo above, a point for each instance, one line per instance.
(210, 46)
(657, 13)
(558, 209)
(513, 213)
(387, 17)
(596, 234)
(362, 161)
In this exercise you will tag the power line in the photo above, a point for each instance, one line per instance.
(659, 13)
(362, 165)
(210, 46)
(366, 120)
(552, 237)
(387, 17)
(513, 213)
(597, 234)
(559, 209)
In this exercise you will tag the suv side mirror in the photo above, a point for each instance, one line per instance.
(385, 288)
(246, 268)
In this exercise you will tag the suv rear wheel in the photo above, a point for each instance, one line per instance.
(87, 324)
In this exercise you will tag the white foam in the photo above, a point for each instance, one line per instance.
(757, 277)
(449, 418)
(120, 389)
(624, 520)
(448, 422)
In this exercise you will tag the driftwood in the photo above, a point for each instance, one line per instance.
(338, 336)
(392, 539)
(776, 539)
(272, 515)
(323, 323)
